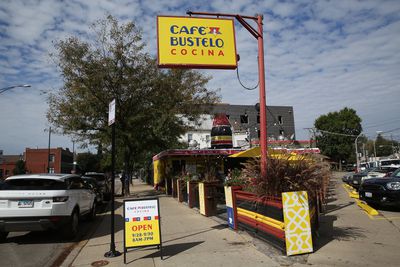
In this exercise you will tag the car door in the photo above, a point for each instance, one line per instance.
(77, 189)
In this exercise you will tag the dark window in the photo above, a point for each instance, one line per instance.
(280, 121)
(190, 137)
(52, 158)
(258, 133)
(244, 118)
(33, 184)
(228, 116)
(258, 118)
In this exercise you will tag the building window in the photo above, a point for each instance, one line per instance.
(244, 118)
(52, 158)
(1, 173)
(190, 137)
(207, 138)
(280, 120)
(51, 170)
(258, 118)
(258, 133)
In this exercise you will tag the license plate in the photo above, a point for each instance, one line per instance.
(368, 194)
(25, 204)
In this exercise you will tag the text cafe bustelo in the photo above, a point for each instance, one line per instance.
(196, 42)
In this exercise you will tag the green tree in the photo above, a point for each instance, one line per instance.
(337, 133)
(88, 162)
(385, 147)
(19, 167)
(151, 104)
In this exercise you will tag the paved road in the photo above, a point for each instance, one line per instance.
(45, 249)
(350, 237)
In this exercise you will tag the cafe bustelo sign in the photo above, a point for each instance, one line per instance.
(191, 42)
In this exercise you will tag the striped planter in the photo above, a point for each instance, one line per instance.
(267, 220)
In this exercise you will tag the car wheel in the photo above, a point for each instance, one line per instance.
(3, 236)
(71, 228)
(92, 213)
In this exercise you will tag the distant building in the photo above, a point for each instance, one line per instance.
(37, 159)
(245, 121)
(8, 164)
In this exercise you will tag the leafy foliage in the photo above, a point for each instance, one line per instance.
(19, 167)
(284, 175)
(336, 146)
(148, 100)
(89, 162)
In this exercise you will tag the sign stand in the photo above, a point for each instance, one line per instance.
(142, 224)
(111, 122)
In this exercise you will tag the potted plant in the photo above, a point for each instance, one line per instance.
(260, 206)
(208, 190)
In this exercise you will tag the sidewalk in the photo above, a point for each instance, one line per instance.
(189, 239)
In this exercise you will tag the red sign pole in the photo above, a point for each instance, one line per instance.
(263, 103)
(258, 34)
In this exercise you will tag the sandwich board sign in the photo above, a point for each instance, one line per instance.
(142, 225)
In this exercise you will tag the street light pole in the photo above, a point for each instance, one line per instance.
(48, 152)
(2, 90)
(357, 160)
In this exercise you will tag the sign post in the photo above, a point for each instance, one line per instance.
(111, 121)
(199, 42)
(142, 227)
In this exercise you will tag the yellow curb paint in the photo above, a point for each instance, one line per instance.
(354, 194)
(368, 209)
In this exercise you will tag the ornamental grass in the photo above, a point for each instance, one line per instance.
(306, 173)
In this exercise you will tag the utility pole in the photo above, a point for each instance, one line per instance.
(48, 152)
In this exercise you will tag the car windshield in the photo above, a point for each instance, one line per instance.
(396, 173)
(33, 184)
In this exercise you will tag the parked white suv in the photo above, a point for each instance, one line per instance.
(37, 202)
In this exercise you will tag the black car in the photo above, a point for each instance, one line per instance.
(95, 187)
(104, 183)
(385, 190)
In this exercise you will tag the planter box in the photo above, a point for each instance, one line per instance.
(181, 188)
(283, 222)
(208, 198)
(174, 187)
(230, 204)
(193, 194)
(168, 186)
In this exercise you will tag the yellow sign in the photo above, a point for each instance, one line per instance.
(202, 204)
(190, 42)
(142, 224)
(297, 223)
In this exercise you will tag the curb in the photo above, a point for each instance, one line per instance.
(367, 208)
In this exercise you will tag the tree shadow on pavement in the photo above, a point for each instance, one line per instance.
(334, 207)
(328, 232)
(168, 251)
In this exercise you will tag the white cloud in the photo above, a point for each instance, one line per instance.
(320, 56)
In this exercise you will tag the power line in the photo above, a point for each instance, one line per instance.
(333, 133)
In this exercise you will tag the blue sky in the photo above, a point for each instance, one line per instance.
(320, 56)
